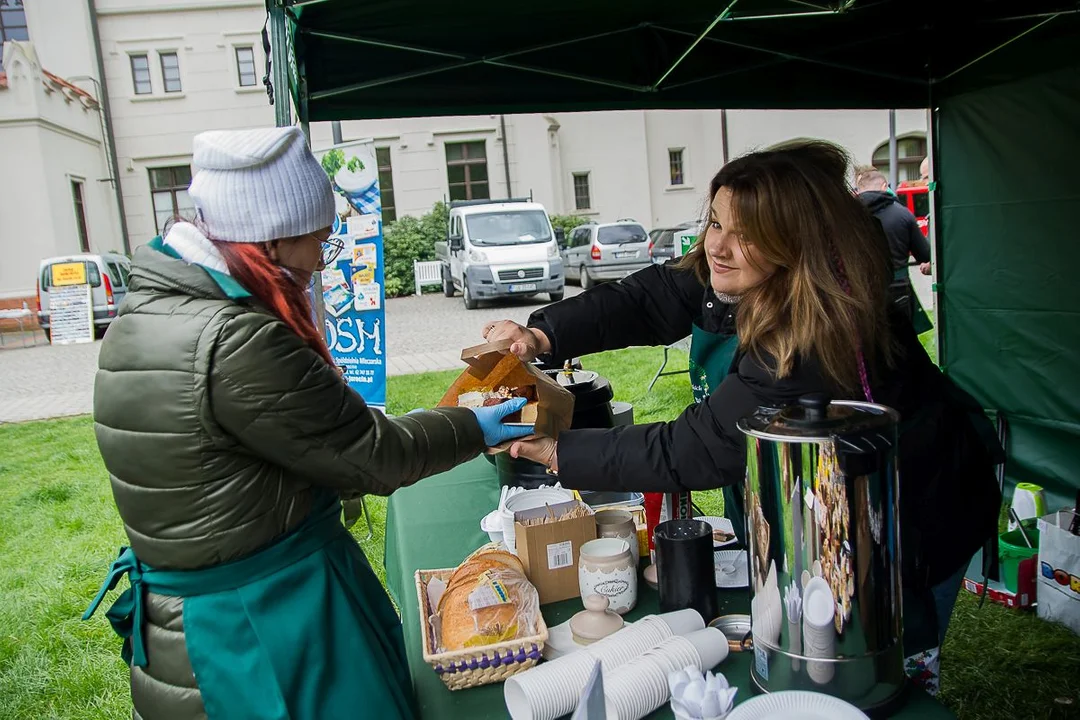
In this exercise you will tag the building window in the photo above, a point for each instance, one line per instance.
(245, 66)
(12, 24)
(80, 214)
(582, 198)
(170, 71)
(466, 170)
(386, 184)
(169, 189)
(140, 74)
(910, 152)
(675, 167)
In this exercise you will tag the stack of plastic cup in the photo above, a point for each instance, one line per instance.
(819, 630)
(552, 689)
(635, 689)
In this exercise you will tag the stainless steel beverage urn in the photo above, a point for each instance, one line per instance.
(824, 550)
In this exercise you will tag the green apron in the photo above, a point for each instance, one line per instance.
(301, 629)
(711, 357)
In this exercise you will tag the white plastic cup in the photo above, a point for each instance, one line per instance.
(626, 644)
(711, 646)
(549, 690)
(683, 622)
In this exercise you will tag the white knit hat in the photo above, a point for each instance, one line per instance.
(259, 185)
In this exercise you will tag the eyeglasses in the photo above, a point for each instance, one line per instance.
(331, 248)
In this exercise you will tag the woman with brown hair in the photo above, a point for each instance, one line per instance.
(785, 294)
(230, 439)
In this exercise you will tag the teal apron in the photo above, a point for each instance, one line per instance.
(711, 357)
(301, 629)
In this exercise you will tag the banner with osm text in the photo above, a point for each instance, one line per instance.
(353, 285)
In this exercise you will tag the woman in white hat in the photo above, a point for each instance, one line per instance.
(230, 439)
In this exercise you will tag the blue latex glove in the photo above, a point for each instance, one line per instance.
(490, 419)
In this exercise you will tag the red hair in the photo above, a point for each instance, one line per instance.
(251, 266)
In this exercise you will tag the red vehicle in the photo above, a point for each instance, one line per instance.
(916, 196)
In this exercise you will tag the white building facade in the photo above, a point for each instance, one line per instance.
(172, 70)
(650, 165)
(56, 197)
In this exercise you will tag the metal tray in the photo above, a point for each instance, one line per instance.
(601, 498)
(736, 629)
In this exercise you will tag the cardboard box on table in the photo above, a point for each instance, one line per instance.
(550, 551)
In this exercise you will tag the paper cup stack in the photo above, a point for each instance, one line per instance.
(635, 689)
(819, 630)
(636, 662)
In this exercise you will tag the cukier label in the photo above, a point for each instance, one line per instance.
(612, 588)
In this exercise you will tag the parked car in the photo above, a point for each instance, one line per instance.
(605, 251)
(107, 275)
(500, 248)
(662, 242)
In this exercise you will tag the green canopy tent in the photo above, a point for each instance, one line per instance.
(1002, 79)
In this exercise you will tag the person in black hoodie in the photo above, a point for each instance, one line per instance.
(793, 268)
(901, 230)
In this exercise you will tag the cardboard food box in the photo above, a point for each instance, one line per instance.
(492, 367)
(550, 551)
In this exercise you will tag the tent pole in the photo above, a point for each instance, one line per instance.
(506, 156)
(723, 135)
(894, 169)
(279, 51)
(935, 238)
(335, 127)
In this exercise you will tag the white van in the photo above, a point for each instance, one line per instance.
(499, 249)
(108, 277)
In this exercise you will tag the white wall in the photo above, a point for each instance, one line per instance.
(60, 31)
(418, 154)
(47, 138)
(859, 131)
(698, 134)
(625, 153)
(157, 130)
(610, 147)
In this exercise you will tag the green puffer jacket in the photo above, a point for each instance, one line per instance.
(218, 427)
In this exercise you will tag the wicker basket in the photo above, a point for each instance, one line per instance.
(477, 666)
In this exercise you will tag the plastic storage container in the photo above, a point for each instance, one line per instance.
(1013, 550)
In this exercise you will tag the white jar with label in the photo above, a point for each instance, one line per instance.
(619, 524)
(606, 567)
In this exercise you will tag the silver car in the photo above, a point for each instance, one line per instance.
(605, 251)
(106, 274)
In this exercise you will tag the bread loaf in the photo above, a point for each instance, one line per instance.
(487, 600)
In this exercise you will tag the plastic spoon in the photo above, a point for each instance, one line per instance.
(1020, 525)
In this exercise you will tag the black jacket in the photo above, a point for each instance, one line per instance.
(655, 306)
(900, 226)
(949, 497)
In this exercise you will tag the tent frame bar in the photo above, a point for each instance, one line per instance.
(382, 43)
(1002, 46)
(701, 36)
(799, 58)
(497, 61)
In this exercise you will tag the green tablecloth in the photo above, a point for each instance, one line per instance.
(436, 523)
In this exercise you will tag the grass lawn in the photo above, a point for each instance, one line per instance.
(59, 529)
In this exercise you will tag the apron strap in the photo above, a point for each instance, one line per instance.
(126, 613)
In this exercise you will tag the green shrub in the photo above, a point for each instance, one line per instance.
(567, 222)
(408, 239)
